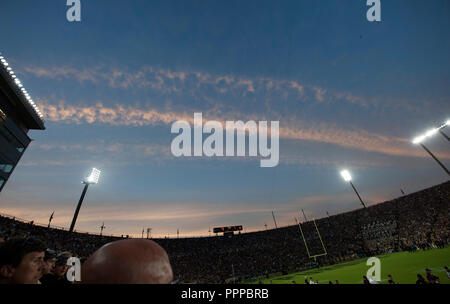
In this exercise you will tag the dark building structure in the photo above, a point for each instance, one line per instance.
(18, 114)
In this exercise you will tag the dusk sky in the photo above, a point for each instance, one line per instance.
(347, 93)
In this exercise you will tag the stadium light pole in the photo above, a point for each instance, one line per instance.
(447, 123)
(304, 216)
(50, 219)
(419, 141)
(432, 132)
(276, 227)
(101, 228)
(445, 135)
(92, 179)
(348, 178)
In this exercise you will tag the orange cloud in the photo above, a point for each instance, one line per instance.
(290, 128)
(168, 81)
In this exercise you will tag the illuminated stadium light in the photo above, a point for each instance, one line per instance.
(348, 178)
(346, 175)
(92, 179)
(419, 141)
(431, 132)
(16, 80)
(94, 176)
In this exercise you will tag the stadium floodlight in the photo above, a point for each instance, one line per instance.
(419, 141)
(17, 81)
(431, 132)
(346, 175)
(91, 179)
(348, 178)
(94, 176)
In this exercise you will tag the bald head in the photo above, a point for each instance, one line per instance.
(128, 262)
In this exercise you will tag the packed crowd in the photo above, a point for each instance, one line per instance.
(419, 220)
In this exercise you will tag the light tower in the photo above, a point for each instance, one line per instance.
(92, 179)
(348, 178)
(101, 228)
(419, 141)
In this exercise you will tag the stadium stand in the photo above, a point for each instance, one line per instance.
(418, 220)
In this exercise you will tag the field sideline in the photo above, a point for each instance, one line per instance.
(403, 266)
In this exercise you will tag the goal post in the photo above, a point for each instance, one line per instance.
(320, 238)
(304, 240)
(306, 244)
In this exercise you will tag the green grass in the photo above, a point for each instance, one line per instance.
(403, 266)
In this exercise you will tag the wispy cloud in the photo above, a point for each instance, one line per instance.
(123, 152)
(119, 115)
(228, 86)
(290, 127)
(102, 147)
(117, 153)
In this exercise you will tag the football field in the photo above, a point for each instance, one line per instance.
(403, 266)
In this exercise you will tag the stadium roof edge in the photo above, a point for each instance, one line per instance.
(33, 116)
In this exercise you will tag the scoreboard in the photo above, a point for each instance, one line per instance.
(227, 229)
